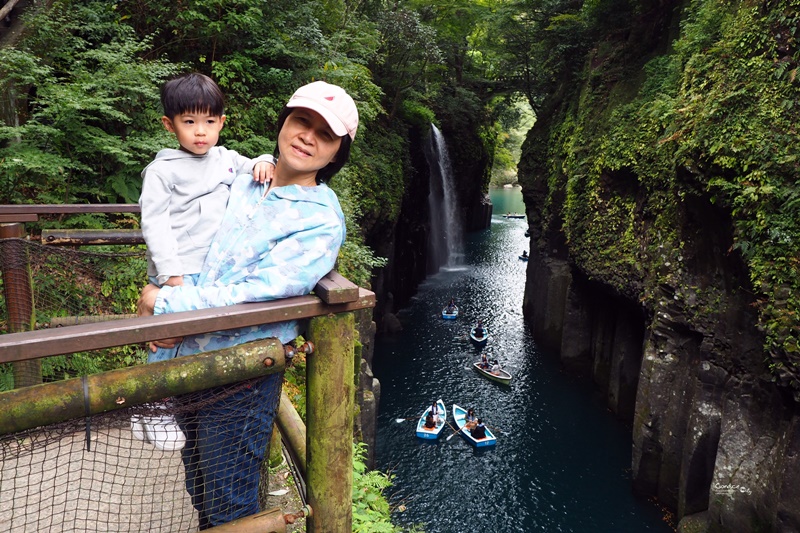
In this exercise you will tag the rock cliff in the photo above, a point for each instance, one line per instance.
(645, 272)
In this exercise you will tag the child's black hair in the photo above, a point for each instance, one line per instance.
(192, 93)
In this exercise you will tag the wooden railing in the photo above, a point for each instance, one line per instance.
(326, 455)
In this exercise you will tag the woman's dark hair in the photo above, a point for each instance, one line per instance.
(326, 173)
(192, 93)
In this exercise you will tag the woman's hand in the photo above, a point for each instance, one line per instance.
(147, 300)
(145, 307)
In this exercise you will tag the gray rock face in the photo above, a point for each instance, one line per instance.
(368, 394)
(712, 439)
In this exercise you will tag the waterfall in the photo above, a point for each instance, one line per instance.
(446, 242)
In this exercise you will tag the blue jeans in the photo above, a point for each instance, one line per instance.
(165, 354)
(226, 442)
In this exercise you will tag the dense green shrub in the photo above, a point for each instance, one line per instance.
(713, 118)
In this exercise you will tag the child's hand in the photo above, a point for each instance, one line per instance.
(263, 172)
(174, 281)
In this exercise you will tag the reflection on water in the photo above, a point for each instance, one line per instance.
(561, 462)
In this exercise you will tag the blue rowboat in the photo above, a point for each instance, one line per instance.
(476, 340)
(432, 433)
(450, 314)
(459, 414)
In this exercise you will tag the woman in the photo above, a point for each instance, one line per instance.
(275, 241)
(470, 420)
(435, 413)
(429, 422)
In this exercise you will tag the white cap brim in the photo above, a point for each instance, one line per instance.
(330, 117)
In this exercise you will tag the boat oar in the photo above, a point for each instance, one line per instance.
(398, 420)
(450, 436)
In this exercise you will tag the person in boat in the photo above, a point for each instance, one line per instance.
(470, 420)
(435, 413)
(524, 253)
(495, 368)
(451, 307)
(430, 423)
(479, 431)
(479, 331)
(484, 361)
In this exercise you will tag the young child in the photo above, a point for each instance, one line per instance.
(185, 191)
(184, 195)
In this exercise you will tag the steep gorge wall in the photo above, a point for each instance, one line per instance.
(635, 280)
(712, 438)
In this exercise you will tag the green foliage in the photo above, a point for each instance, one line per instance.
(84, 82)
(417, 114)
(511, 128)
(295, 377)
(61, 367)
(371, 186)
(90, 124)
(6, 377)
(122, 283)
(407, 55)
(358, 263)
(715, 117)
(371, 512)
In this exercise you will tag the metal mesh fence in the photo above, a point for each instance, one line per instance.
(46, 286)
(104, 474)
(126, 470)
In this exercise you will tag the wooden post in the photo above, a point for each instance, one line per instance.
(6, 9)
(275, 448)
(19, 297)
(294, 431)
(329, 416)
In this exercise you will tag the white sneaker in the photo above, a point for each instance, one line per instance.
(137, 428)
(163, 432)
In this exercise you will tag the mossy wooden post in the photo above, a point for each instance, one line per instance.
(275, 451)
(19, 297)
(329, 419)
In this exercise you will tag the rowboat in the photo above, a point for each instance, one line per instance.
(449, 314)
(513, 216)
(500, 376)
(459, 414)
(432, 433)
(479, 341)
(524, 257)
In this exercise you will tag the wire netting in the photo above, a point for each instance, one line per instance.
(126, 471)
(100, 475)
(47, 286)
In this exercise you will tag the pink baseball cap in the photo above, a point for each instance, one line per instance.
(332, 102)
